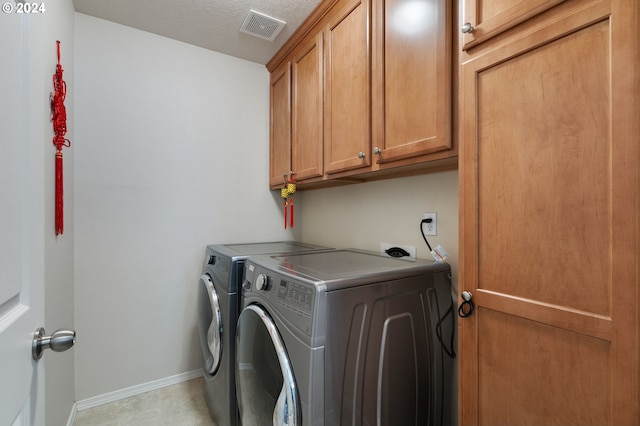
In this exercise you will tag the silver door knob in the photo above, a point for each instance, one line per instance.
(361, 154)
(59, 341)
(467, 28)
(377, 150)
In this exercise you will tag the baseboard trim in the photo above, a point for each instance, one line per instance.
(72, 415)
(133, 390)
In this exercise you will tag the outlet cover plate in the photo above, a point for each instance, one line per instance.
(432, 227)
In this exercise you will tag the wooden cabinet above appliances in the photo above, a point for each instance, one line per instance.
(347, 106)
(369, 92)
(411, 79)
(306, 109)
(280, 125)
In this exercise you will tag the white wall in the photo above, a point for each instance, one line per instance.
(390, 211)
(171, 154)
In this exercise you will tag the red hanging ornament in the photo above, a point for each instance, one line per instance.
(285, 213)
(291, 207)
(59, 119)
(287, 194)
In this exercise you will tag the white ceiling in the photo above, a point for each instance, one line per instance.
(212, 24)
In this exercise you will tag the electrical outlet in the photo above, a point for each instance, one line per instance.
(409, 249)
(430, 228)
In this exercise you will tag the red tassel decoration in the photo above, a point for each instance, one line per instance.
(291, 215)
(59, 195)
(285, 214)
(59, 119)
(287, 194)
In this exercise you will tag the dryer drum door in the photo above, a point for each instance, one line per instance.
(209, 324)
(265, 384)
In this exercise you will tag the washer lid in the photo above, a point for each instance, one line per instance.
(340, 268)
(272, 247)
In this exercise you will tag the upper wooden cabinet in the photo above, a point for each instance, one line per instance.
(412, 78)
(484, 19)
(347, 99)
(280, 128)
(306, 117)
(370, 89)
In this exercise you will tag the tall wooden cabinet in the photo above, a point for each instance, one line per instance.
(549, 208)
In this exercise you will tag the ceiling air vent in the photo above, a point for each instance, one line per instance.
(261, 25)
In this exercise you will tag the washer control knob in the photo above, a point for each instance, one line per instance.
(262, 282)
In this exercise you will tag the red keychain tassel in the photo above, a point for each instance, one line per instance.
(59, 119)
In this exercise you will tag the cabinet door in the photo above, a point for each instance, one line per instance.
(347, 87)
(307, 97)
(548, 224)
(280, 129)
(412, 78)
(487, 18)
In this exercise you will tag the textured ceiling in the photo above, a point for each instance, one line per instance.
(212, 24)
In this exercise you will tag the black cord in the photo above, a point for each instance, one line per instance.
(466, 308)
(451, 353)
(422, 222)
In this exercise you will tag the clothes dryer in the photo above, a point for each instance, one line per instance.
(345, 337)
(217, 315)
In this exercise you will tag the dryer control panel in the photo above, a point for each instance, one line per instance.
(289, 299)
(296, 296)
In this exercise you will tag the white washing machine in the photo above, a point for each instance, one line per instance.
(217, 315)
(345, 337)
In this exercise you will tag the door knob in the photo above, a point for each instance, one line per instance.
(361, 154)
(59, 341)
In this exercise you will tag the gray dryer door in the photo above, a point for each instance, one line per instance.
(209, 324)
(265, 385)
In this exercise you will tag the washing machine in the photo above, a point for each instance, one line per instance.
(345, 337)
(217, 314)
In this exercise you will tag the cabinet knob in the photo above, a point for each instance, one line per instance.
(467, 28)
(361, 154)
(377, 150)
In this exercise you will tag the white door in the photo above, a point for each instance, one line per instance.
(21, 231)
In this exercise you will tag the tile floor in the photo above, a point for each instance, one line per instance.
(176, 405)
